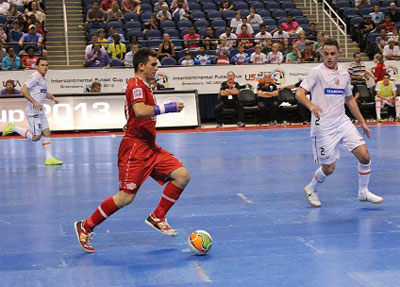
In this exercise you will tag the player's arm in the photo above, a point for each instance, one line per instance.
(27, 95)
(378, 94)
(142, 110)
(353, 107)
(302, 99)
(51, 97)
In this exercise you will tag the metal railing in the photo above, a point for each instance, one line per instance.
(66, 32)
(333, 18)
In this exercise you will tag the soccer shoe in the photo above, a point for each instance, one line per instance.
(53, 161)
(378, 119)
(366, 195)
(160, 224)
(241, 124)
(84, 236)
(312, 196)
(8, 129)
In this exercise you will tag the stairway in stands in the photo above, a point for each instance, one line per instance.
(351, 47)
(56, 45)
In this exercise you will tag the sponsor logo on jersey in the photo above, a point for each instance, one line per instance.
(330, 91)
(337, 81)
(137, 93)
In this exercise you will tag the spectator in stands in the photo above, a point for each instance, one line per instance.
(97, 57)
(32, 37)
(31, 19)
(116, 50)
(257, 57)
(39, 28)
(166, 48)
(3, 35)
(3, 53)
(293, 56)
(228, 97)
(163, 14)
(128, 60)
(95, 14)
(280, 34)
(158, 6)
(106, 5)
(254, 19)
(250, 29)
(101, 38)
(4, 6)
(230, 37)
(115, 14)
(380, 69)
(386, 95)
(267, 94)
(245, 38)
(241, 57)
(89, 48)
(381, 41)
(309, 55)
(11, 61)
(391, 51)
(15, 34)
(155, 86)
(361, 4)
(377, 16)
(131, 6)
(362, 32)
(301, 41)
(181, 11)
(313, 33)
(185, 5)
(40, 16)
(268, 47)
(285, 48)
(358, 74)
(28, 5)
(12, 13)
(134, 40)
(151, 24)
(388, 24)
(236, 21)
(290, 26)
(223, 52)
(192, 39)
(29, 61)
(210, 40)
(10, 89)
(262, 36)
(19, 3)
(188, 61)
(95, 87)
(224, 6)
(394, 14)
(317, 46)
(394, 34)
(275, 57)
(203, 58)
(111, 32)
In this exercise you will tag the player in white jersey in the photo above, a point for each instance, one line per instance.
(35, 91)
(330, 127)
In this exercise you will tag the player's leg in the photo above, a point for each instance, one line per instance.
(378, 106)
(397, 107)
(26, 133)
(46, 142)
(218, 114)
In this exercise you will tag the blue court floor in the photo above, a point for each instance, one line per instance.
(246, 191)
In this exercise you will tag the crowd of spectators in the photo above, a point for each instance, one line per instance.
(22, 33)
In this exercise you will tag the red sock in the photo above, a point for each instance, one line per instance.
(170, 194)
(106, 208)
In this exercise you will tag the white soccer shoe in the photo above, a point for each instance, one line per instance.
(367, 196)
(312, 196)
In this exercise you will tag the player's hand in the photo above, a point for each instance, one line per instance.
(37, 106)
(366, 130)
(180, 106)
(316, 110)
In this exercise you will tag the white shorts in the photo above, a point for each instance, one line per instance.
(37, 124)
(326, 146)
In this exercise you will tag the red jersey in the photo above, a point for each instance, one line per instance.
(30, 62)
(380, 70)
(143, 129)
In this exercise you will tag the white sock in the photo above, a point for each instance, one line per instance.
(46, 143)
(364, 173)
(318, 178)
(397, 105)
(378, 109)
(22, 132)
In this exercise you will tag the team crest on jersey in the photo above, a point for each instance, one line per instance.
(130, 185)
(337, 81)
(137, 93)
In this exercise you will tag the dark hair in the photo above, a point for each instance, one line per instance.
(331, 42)
(386, 74)
(95, 84)
(40, 59)
(29, 47)
(10, 81)
(355, 54)
(142, 57)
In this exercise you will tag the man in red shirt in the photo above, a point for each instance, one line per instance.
(139, 156)
(192, 39)
(245, 38)
(106, 5)
(290, 26)
(29, 62)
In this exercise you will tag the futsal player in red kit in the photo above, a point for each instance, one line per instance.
(139, 156)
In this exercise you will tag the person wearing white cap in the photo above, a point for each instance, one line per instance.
(391, 51)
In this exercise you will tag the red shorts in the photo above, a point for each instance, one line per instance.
(137, 161)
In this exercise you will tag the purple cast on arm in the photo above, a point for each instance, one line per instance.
(171, 107)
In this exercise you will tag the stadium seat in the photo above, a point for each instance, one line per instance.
(264, 13)
(197, 15)
(287, 6)
(145, 16)
(202, 32)
(302, 21)
(218, 23)
(131, 16)
(269, 22)
(281, 20)
(365, 11)
(295, 13)
(152, 34)
(240, 5)
(3, 19)
(166, 24)
(194, 6)
(209, 6)
(386, 3)
(184, 24)
(272, 6)
(257, 5)
(132, 25)
(168, 61)
(146, 7)
(229, 15)
(201, 23)
(137, 33)
(173, 33)
(95, 26)
(117, 25)
(355, 21)
(278, 13)
(248, 100)
(244, 13)
(154, 43)
(212, 15)
(219, 31)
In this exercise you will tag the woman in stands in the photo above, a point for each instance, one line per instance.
(40, 16)
(12, 13)
(166, 48)
(115, 14)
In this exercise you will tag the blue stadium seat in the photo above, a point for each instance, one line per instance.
(202, 32)
(201, 23)
(288, 5)
(183, 31)
(131, 16)
(137, 33)
(365, 11)
(167, 24)
(146, 7)
(229, 15)
(197, 15)
(355, 21)
(194, 6)
(154, 43)
(145, 16)
(302, 21)
(240, 5)
(178, 43)
(212, 15)
(3, 19)
(376, 2)
(180, 54)
(152, 34)
(117, 25)
(219, 31)
(257, 5)
(168, 61)
(173, 33)
(95, 26)
(244, 13)
(281, 20)
(295, 13)
(269, 22)
(278, 13)
(132, 25)
(264, 13)
(386, 3)
(218, 23)
(209, 6)
(272, 6)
